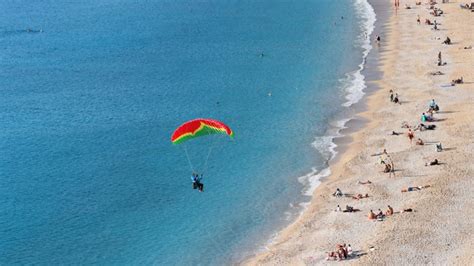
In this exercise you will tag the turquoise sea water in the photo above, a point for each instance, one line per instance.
(92, 90)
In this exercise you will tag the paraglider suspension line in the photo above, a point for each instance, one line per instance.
(187, 157)
(208, 155)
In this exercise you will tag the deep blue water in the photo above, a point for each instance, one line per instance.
(88, 174)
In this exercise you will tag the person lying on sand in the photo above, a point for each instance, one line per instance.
(360, 196)
(434, 162)
(436, 73)
(428, 22)
(389, 211)
(371, 215)
(423, 127)
(410, 189)
(350, 209)
(364, 182)
(419, 142)
(467, 6)
(457, 81)
(380, 153)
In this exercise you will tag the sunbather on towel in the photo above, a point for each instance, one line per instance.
(434, 162)
(410, 189)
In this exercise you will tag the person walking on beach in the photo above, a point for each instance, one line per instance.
(411, 135)
(388, 166)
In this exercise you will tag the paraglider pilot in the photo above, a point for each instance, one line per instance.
(197, 182)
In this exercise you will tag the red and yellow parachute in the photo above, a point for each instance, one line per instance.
(199, 127)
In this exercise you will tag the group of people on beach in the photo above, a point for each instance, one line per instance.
(342, 252)
(436, 12)
(394, 98)
(385, 159)
(387, 162)
(380, 215)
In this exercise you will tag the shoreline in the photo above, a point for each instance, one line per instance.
(340, 128)
(372, 72)
(297, 242)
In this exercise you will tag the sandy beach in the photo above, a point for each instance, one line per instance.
(438, 229)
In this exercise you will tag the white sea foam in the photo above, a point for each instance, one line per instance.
(326, 146)
(354, 82)
(353, 85)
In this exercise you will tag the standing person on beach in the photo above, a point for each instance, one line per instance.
(392, 168)
(411, 135)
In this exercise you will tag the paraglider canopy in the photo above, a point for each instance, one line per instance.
(199, 127)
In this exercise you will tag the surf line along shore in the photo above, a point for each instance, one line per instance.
(431, 222)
